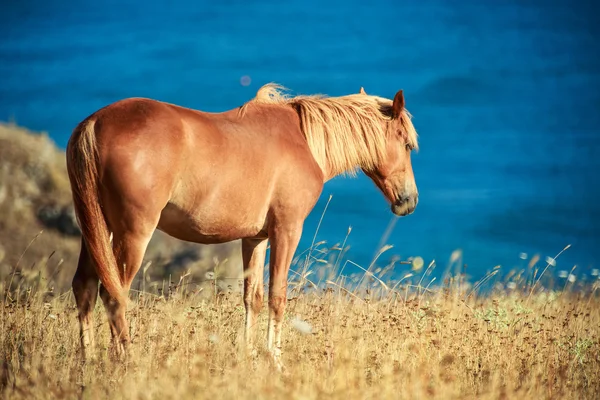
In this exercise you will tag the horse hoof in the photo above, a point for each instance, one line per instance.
(276, 358)
(119, 351)
(252, 355)
(88, 357)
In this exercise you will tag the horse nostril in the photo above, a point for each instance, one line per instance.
(405, 204)
(408, 199)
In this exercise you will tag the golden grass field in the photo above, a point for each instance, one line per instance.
(526, 338)
(409, 344)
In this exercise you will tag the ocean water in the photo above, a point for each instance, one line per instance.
(505, 97)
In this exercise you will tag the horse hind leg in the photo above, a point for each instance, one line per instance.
(85, 290)
(129, 247)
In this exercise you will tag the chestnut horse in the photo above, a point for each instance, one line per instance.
(252, 173)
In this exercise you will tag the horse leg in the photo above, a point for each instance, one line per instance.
(253, 255)
(284, 241)
(85, 290)
(129, 248)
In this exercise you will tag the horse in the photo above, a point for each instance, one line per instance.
(253, 173)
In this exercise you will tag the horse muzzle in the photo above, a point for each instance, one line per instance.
(405, 205)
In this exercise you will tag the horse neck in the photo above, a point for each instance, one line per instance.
(329, 173)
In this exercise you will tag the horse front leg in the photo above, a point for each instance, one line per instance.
(284, 241)
(253, 255)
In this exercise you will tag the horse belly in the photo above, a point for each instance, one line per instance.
(209, 227)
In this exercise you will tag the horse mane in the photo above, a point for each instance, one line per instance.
(343, 132)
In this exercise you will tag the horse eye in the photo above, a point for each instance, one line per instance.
(408, 147)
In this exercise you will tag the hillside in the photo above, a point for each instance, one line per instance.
(39, 236)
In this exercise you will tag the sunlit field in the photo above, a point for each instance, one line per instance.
(362, 336)
(398, 328)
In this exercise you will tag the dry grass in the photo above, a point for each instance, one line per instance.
(407, 339)
(32, 175)
(411, 344)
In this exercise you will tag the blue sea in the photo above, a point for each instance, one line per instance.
(505, 97)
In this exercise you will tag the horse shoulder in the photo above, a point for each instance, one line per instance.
(303, 179)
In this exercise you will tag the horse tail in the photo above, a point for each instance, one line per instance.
(82, 166)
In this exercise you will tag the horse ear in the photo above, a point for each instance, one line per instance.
(362, 90)
(398, 104)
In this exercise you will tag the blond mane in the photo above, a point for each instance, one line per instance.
(344, 132)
